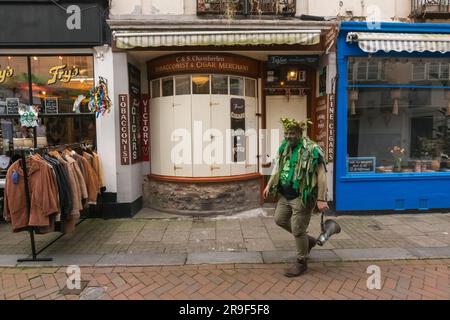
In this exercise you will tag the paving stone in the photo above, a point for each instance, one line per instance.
(10, 260)
(229, 235)
(223, 258)
(65, 260)
(259, 244)
(122, 237)
(425, 241)
(373, 254)
(130, 226)
(290, 256)
(228, 224)
(431, 253)
(255, 232)
(141, 260)
(405, 230)
(179, 225)
(203, 234)
(175, 236)
(149, 235)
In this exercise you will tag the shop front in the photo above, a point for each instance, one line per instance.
(48, 68)
(215, 99)
(393, 112)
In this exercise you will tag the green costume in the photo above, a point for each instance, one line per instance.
(300, 168)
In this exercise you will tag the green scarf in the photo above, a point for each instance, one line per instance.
(303, 164)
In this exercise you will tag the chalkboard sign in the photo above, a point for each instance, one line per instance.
(238, 129)
(361, 165)
(12, 105)
(51, 105)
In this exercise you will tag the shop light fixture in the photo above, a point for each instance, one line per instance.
(60, 57)
(35, 58)
(200, 81)
(9, 58)
(44, 93)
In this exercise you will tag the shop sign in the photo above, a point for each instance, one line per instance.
(145, 127)
(331, 131)
(134, 125)
(202, 63)
(62, 73)
(6, 74)
(43, 23)
(278, 61)
(51, 105)
(324, 125)
(321, 123)
(12, 105)
(361, 165)
(238, 129)
(124, 135)
(134, 79)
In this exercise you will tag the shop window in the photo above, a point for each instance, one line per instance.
(236, 86)
(250, 88)
(200, 84)
(182, 85)
(156, 88)
(167, 87)
(57, 81)
(219, 84)
(399, 130)
(14, 83)
(399, 71)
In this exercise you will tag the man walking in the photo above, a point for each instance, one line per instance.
(300, 180)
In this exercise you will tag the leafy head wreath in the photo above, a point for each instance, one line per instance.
(292, 124)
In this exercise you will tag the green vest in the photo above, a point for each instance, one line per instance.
(302, 164)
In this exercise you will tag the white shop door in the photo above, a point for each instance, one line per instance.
(183, 127)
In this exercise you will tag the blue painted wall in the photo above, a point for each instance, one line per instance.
(381, 192)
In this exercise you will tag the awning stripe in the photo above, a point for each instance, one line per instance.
(129, 40)
(372, 42)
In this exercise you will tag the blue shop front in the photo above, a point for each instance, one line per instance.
(393, 116)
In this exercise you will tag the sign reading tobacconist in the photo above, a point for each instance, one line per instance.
(202, 63)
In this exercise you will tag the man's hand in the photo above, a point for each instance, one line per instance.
(266, 192)
(322, 206)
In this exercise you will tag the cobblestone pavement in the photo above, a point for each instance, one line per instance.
(425, 279)
(154, 233)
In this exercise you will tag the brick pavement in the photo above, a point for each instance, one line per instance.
(425, 279)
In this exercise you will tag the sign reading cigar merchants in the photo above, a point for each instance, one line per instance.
(124, 135)
(201, 63)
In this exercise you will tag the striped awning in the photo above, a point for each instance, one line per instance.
(129, 40)
(372, 42)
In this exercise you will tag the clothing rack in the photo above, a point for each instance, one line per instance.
(31, 230)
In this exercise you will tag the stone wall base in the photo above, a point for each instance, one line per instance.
(202, 199)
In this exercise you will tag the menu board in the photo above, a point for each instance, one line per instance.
(51, 105)
(238, 129)
(361, 165)
(12, 105)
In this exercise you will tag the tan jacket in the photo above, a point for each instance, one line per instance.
(98, 169)
(43, 196)
(91, 179)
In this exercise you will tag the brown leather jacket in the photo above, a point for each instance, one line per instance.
(43, 196)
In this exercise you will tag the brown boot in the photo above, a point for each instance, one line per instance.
(298, 268)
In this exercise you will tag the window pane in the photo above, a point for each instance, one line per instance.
(403, 130)
(167, 87)
(250, 88)
(219, 84)
(156, 88)
(183, 85)
(14, 89)
(400, 71)
(200, 84)
(59, 80)
(61, 130)
(236, 86)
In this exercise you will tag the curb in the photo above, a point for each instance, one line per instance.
(212, 258)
